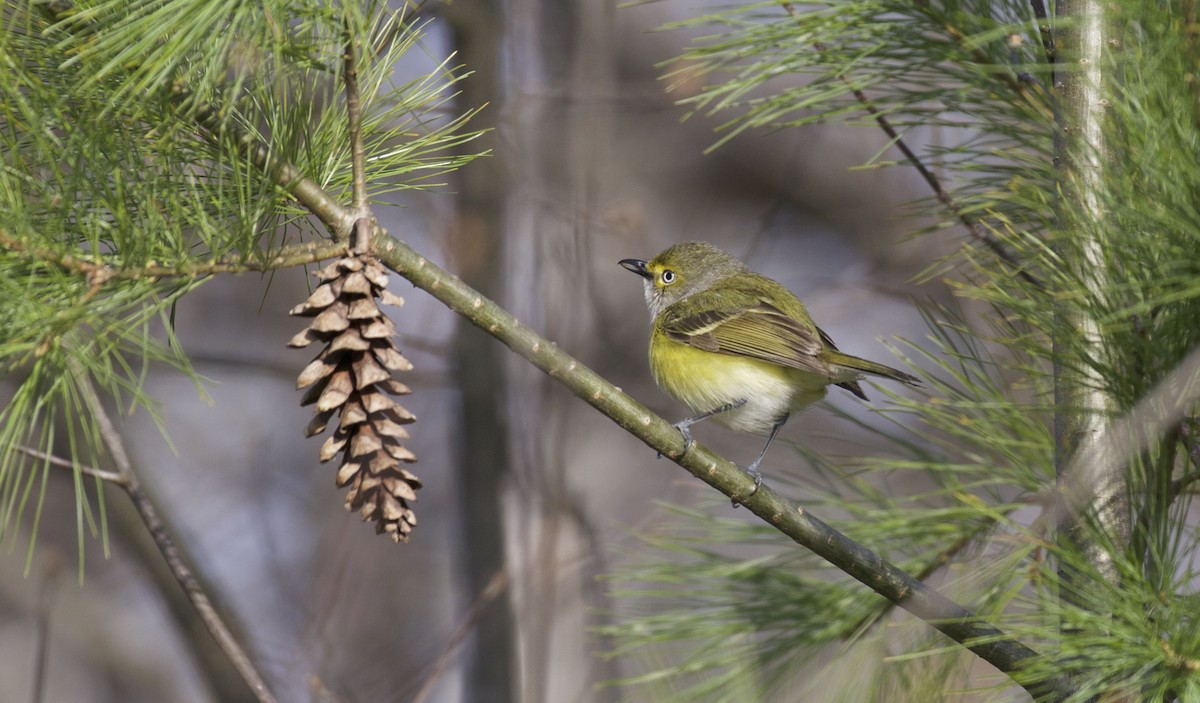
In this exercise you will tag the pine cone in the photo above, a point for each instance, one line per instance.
(352, 379)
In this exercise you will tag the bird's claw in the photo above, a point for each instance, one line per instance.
(688, 442)
(755, 474)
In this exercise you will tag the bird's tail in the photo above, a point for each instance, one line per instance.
(862, 366)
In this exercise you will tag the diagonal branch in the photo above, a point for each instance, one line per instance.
(128, 480)
(793, 520)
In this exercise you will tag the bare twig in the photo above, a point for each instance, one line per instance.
(928, 175)
(110, 476)
(496, 586)
(129, 481)
(51, 569)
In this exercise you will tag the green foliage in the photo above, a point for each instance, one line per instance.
(978, 443)
(129, 133)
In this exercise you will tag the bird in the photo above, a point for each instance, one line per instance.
(739, 347)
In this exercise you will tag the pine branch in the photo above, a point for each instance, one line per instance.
(977, 54)
(337, 219)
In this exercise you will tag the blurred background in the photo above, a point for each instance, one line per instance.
(530, 497)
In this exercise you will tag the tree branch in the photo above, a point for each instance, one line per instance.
(128, 480)
(337, 220)
(469, 621)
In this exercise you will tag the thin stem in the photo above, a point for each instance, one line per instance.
(109, 476)
(50, 574)
(166, 545)
(98, 272)
(354, 119)
(496, 586)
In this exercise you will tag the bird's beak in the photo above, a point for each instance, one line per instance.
(637, 266)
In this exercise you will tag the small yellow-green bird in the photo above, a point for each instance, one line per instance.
(737, 346)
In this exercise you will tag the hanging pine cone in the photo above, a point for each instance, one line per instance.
(352, 379)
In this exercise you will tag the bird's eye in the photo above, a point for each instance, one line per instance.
(668, 277)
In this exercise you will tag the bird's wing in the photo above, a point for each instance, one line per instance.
(741, 323)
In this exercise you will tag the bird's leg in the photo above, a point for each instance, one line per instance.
(752, 469)
(685, 423)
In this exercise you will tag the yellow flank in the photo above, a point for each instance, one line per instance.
(705, 380)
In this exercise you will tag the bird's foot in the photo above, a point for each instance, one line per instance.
(688, 442)
(753, 472)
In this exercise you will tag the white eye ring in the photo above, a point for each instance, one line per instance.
(668, 277)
